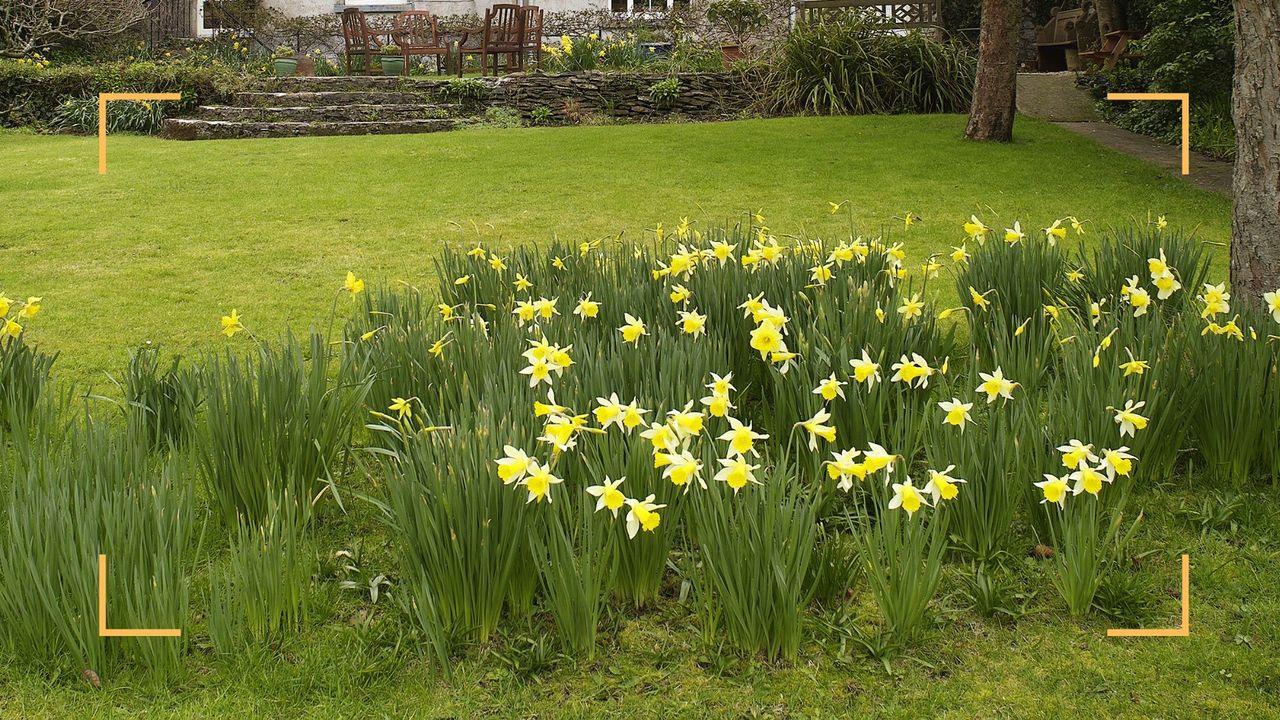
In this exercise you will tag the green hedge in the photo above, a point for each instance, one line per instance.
(31, 96)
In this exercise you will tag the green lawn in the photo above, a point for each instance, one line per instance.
(177, 234)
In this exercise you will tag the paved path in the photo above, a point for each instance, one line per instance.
(1206, 173)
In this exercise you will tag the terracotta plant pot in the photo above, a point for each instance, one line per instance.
(731, 54)
(306, 66)
(284, 67)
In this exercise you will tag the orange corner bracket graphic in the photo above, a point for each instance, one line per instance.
(1183, 631)
(1185, 99)
(103, 630)
(103, 99)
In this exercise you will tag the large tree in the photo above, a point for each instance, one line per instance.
(996, 86)
(1255, 221)
(30, 26)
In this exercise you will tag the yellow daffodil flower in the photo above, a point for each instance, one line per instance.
(1128, 418)
(1087, 480)
(1014, 235)
(1216, 300)
(691, 323)
(912, 308)
(1054, 489)
(497, 263)
(539, 482)
(907, 497)
(865, 370)
(844, 468)
(1134, 366)
(1076, 454)
(587, 308)
(632, 330)
(230, 324)
(942, 486)
(737, 473)
(741, 438)
(1117, 462)
(643, 515)
(996, 385)
(817, 428)
(912, 371)
(514, 465)
(608, 496)
(957, 412)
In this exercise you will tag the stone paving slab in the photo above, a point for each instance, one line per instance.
(1207, 173)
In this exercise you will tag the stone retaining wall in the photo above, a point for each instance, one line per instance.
(702, 96)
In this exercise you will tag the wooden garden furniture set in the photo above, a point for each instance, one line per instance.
(509, 31)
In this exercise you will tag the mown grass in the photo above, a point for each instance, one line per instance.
(177, 234)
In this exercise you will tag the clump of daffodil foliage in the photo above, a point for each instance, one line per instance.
(748, 423)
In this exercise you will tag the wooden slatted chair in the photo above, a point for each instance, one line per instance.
(533, 33)
(417, 32)
(358, 41)
(503, 33)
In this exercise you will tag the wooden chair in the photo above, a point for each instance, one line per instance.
(1056, 42)
(1114, 49)
(503, 33)
(417, 32)
(358, 40)
(533, 33)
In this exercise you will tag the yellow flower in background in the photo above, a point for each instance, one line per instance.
(1161, 223)
(834, 207)
(477, 252)
(353, 284)
(557, 262)
(1158, 266)
(844, 468)
(957, 412)
(446, 311)
(231, 324)
(1134, 366)
(1014, 235)
(942, 486)
(1117, 462)
(907, 497)
(1128, 418)
(643, 515)
(524, 312)
(608, 496)
(820, 274)
(912, 371)
(30, 307)
(543, 409)
(546, 308)
(633, 329)
(909, 219)
(402, 408)
(1216, 300)
(1075, 276)
(1076, 225)
(737, 473)
(662, 437)
(1138, 297)
(1272, 299)
(1054, 489)
(497, 263)
(830, 388)
(721, 385)
(1166, 286)
(587, 308)
(912, 308)
(741, 438)
(865, 370)
(539, 482)
(682, 469)
(1076, 454)
(462, 280)
(817, 428)
(766, 339)
(609, 411)
(369, 335)
(1087, 480)
(996, 385)
(680, 294)
(723, 251)
(1055, 232)
(539, 371)
(585, 247)
(691, 323)
(980, 299)
(5, 305)
(1051, 311)
(960, 254)
(437, 348)
(686, 423)
(876, 458)
(522, 283)
(717, 405)
(633, 416)
(976, 230)
(13, 329)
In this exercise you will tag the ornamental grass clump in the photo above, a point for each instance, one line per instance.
(98, 492)
(274, 426)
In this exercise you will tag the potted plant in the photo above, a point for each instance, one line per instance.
(736, 19)
(392, 60)
(283, 63)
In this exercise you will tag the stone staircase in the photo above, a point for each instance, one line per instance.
(294, 107)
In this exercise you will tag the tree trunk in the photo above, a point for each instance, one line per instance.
(1255, 221)
(995, 88)
(1110, 16)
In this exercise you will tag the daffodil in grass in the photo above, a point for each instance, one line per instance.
(721, 385)
(546, 307)
(662, 437)
(942, 486)
(995, 385)
(1076, 454)
(230, 324)
(539, 482)
(1272, 299)
(550, 407)
(766, 313)
(403, 408)
(784, 360)
(816, 427)
(477, 252)
(587, 308)
(513, 465)
(741, 438)
(718, 405)
(957, 412)
(1134, 366)
(437, 347)
(1138, 297)
(498, 264)
(975, 229)
(912, 308)
(830, 388)
(1087, 479)
(1128, 418)
(865, 370)
(1216, 299)
(681, 468)
(1117, 462)
(960, 254)
(525, 312)
(691, 323)
(32, 306)
(353, 285)
(907, 497)
(1075, 276)
(686, 422)
(1054, 490)
(642, 515)
(609, 411)
(608, 496)
(752, 305)
(522, 283)
(13, 329)
(679, 294)
(844, 468)
(1014, 235)
(723, 251)
(820, 274)
(1055, 232)
(913, 371)
(6, 304)
(557, 262)
(737, 473)
(632, 329)
(767, 339)
(539, 371)
(930, 268)
(978, 299)
(1166, 286)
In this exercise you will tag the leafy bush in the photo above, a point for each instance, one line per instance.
(664, 93)
(852, 65)
(36, 97)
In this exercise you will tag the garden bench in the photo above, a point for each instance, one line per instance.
(1113, 50)
(1056, 43)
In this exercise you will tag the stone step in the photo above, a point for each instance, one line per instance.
(355, 112)
(195, 129)
(352, 83)
(329, 98)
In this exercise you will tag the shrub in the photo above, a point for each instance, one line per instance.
(852, 65)
(665, 93)
(34, 97)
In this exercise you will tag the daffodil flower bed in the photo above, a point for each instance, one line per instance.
(747, 422)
